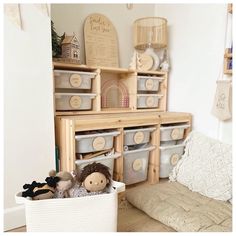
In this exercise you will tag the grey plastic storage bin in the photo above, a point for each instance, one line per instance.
(169, 156)
(168, 143)
(105, 160)
(136, 165)
(95, 142)
(73, 79)
(74, 101)
(148, 83)
(148, 100)
(175, 132)
(137, 136)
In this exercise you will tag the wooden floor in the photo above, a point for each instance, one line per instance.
(130, 219)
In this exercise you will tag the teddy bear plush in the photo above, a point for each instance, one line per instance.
(66, 181)
(94, 179)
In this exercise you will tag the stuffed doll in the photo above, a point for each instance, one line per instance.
(93, 180)
(64, 184)
(40, 191)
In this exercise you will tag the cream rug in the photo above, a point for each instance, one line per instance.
(185, 211)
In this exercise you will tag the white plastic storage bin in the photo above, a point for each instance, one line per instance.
(96, 213)
(137, 136)
(148, 100)
(174, 132)
(95, 142)
(73, 79)
(136, 165)
(74, 101)
(148, 83)
(168, 143)
(169, 156)
(105, 160)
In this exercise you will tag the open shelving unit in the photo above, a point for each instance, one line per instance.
(228, 56)
(116, 89)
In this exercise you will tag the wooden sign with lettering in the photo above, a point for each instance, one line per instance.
(101, 45)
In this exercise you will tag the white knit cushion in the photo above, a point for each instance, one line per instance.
(205, 167)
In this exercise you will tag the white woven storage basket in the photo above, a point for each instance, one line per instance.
(97, 213)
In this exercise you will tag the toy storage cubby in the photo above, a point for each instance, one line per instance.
(67, 127)
(118, 90)
(113, 90)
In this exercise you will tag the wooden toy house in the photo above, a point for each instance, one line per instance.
(70, 47)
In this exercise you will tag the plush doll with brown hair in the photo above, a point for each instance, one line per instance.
(94, 179)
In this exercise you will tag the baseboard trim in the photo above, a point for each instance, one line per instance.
(14, 217)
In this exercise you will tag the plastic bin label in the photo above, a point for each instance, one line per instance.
(138, 137)
(137, 165)
(75, 80)
(99, 143)
(175, 133)
(149, 84)
(75, 101)
(174, 159)
(150, 101)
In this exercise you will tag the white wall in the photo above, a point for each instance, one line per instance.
(196, 46)
(28, 112)
(69, 18)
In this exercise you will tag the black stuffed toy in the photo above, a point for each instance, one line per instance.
(39, 191)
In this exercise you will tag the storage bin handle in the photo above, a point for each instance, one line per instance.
(118, 186)
(150, 148)
(82, 136)
(98, 158)
(19, 199)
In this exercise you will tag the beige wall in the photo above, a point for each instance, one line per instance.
(28, 111)
(69, 18)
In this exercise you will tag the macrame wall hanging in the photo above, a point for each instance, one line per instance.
(222, 106)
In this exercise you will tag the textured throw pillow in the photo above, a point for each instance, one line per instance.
(205, 167)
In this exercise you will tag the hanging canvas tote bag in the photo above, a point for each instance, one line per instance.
(222, 102)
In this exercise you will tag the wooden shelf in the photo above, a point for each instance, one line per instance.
(228, 55)
(230, 8)
(228, 72)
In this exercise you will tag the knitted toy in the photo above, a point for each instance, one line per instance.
(64, 184)
(93, 180)
(40, 191)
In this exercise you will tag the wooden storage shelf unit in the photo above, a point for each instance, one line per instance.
(227, 58)
(67, 126)
(115, 89)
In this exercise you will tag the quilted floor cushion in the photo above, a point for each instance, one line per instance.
(176, 206)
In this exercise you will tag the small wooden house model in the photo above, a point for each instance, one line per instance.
(70, 47)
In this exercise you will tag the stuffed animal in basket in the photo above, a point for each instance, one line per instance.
(93, 180)
(64, 184)
(40, 191)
